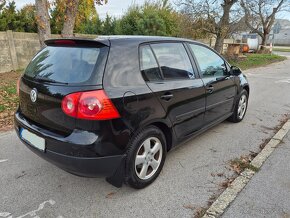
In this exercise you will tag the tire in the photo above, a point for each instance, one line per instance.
(239, 115)
(144, 142)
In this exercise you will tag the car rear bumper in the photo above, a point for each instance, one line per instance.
(70, 153)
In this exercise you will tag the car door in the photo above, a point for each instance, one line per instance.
(220, 86)
(172, 77)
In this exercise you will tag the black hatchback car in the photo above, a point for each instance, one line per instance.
(115, 106)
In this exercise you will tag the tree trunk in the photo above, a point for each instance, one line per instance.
(43, 20)
(264, 39)
(224, 25)
(70, 18)
(219, 44)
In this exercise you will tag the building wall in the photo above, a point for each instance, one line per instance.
(5, 57)
(282, 38)
(17, 49)
(26, 46)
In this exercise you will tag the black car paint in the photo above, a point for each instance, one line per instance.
(190, 110)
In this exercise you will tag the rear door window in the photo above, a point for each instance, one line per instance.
(71, 65)
(211, 64)
(148, 64)
(173, 60)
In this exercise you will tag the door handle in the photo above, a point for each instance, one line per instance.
(167, 96)
(210, 89)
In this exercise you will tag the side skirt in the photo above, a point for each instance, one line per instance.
(202, 130)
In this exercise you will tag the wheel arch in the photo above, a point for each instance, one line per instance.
(167, 131)
(247, 88)
(164, 126)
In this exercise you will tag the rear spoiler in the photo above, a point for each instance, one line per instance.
(77, 42)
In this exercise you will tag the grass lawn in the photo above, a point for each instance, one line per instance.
(8, 98)
(256, 60)
(282, 49)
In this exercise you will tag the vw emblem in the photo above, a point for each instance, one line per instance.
(33, 95)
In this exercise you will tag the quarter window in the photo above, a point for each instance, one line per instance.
(148, 64)
(173, 60)
(209, 62)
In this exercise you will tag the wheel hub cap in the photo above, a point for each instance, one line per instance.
(242, 106)
(148, 158)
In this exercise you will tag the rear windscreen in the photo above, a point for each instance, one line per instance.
(70, 65)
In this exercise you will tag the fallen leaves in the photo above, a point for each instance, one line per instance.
(238, 165)
(200, 212)
(110, 195)
(189, 206)
(8, 98)
(227, 183)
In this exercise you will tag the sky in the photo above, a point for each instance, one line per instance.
(117, 8)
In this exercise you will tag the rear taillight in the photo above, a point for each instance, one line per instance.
(69, 104)
(92, 105)
(18, 86)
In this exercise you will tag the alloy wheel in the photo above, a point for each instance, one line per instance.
(148, 158)
(242, 107)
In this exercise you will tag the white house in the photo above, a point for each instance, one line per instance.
(279, 35)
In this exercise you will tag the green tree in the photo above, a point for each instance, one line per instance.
(27, 18)
(151, 23)
(128, 23)
(2, 5)
(169, 16)
(153, 18)
(86, 21)
(12, 19)
(86, 15)
(9, 19)
(91, 27)
(109, 26)
(57, 16)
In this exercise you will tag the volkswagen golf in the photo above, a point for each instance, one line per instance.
(115, 106)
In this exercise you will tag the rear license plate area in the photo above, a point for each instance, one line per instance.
(32, 139)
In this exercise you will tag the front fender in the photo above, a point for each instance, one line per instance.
(243, 83)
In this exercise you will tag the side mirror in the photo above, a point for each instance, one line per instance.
(235, 71)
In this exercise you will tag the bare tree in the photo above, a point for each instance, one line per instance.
(215, 13)
(260, 15)
(43, 20)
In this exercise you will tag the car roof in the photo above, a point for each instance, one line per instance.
(139, 38)
(123, 39)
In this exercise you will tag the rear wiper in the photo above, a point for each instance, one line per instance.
(45, 79)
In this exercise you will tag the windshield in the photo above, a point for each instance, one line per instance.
(67, 65)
